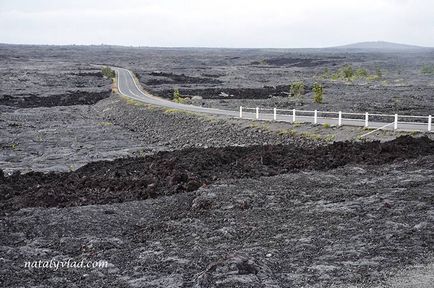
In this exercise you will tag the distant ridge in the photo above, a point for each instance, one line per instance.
(380, 45)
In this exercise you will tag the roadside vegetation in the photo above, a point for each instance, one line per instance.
(318, 91)
(297, 90)
(306, 135)
(133, 102)
(108, 72)
(177, 98)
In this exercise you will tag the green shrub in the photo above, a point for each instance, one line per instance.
(347, 71)
(108, 72)
(297, 89)
(335, 76)
(361, 73)
(427, 69)
(318, 92)
(177, 97)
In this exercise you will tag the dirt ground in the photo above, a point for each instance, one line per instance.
(174, 199)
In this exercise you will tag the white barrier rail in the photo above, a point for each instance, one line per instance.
(340, 118)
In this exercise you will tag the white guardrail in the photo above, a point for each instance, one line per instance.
(339, 118)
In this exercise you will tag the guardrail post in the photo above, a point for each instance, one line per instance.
(257, 113)
(241, 111)
(395, 123)
(275, 114)
(366, 120)
(429, 123)
(340, 118)
(315, 117)
(293, 115)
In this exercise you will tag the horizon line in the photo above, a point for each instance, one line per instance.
(342, 46)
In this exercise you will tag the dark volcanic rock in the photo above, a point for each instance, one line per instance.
(171, 78)
(167, 173)
(71, 98)
(236, 271)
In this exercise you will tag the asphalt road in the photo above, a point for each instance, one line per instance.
(128, 86)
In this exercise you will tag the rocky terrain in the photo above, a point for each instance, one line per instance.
(354, 226)
(252, 78)
(186, 170)
(174, 199)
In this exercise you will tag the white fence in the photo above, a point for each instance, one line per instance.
(367, 120)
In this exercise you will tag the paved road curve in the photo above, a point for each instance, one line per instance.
(128, 86)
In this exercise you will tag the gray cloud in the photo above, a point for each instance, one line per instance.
(224, 23)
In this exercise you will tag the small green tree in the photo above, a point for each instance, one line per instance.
(361, 73)
(297, 89)
(108, 72)
(177, 96)
(347, 71)
(318, 91)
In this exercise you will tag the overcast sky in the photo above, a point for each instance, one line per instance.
(217, 23)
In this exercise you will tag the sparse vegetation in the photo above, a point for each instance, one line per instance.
(329, 138)
(108, 72)
(142, 153)
(326, 73)
(360, 138)
(175, 111)
(361, 73)
(326, 125)
(115, 86)
(428, 69)
(171, 110)
(39, 138)
(318, 92)
(296, 124)
(297, 89)
(133, 102)
(348, 73)
(260, 126)
(412, 133)
(177, 97)
(368, 128)
(105, 123)
(317, 137)
(287, 132)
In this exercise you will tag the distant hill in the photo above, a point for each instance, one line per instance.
(380, 45)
